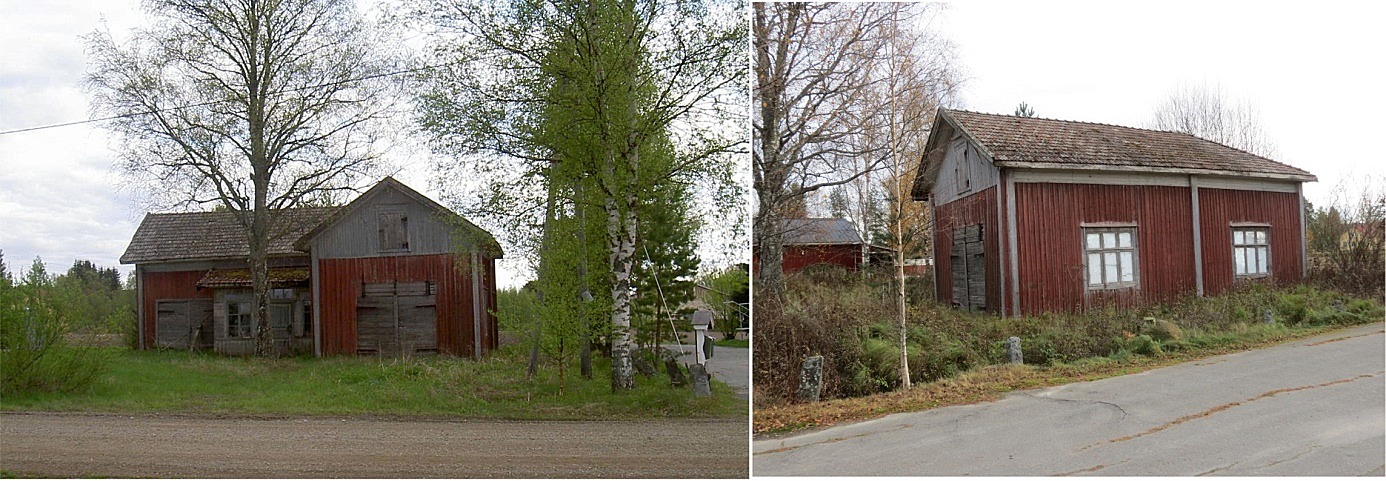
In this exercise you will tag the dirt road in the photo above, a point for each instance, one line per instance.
(71, 445)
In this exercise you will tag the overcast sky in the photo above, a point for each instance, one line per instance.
(1314, 70)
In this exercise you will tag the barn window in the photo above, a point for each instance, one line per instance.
(1251, 251)
(963, 169)
(238, 319)
(1109, 257)
(394, 231)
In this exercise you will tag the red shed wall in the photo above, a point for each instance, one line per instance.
(168, 285)
(978, 208)
(340, 283)
(1219, 208)
(1049, 220)
(797, 257)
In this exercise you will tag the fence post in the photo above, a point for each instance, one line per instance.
(1013, 350)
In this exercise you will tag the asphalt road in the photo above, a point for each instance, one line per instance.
(74, 445)
(731, 365)
(1311, 407)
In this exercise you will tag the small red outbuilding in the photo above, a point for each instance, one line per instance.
(392, 272)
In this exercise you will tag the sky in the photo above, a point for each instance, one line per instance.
(1314, 71)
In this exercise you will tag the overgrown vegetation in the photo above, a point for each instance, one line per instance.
(47, 324)
(207, 383)
(1347, 242)
(845, 317)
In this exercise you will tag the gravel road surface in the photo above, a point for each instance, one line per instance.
(73, 445)
(1309, 407)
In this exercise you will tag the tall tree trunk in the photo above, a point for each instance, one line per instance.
(621, 230)
(550, 213)
(585, 352)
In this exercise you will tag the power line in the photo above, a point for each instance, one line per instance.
(204, 104)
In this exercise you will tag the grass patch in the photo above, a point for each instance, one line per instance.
(742, 343)
(990, 383)
(492, 388)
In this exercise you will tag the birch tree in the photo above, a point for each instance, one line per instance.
(624, 94)
(252, 105)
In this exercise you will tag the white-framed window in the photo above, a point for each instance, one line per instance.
(1110, 258)
(1251, 251)
(239, 320)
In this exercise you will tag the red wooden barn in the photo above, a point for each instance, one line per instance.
(1035, 215)
(812, 241)
(392, 272)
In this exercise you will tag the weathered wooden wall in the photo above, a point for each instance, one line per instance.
(341, 280)
(1219, 208)
(358, 233)
(979, 208)
(1049, 226)
(797, 257)
(169, 286)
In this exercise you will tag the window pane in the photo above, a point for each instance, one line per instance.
(1261, 237)
(1239, 257)
(1095, 269)
(1124, 240)
(1108, 240)
(1109, 266)
(1128, 267)
(1250, 260)
(1263, 265)
(1238, 237)
(1094, 241)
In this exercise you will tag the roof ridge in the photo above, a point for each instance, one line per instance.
(1085, 122)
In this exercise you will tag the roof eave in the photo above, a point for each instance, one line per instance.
(1165, 170)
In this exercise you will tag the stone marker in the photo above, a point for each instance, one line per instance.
(1268, 316)
(702, 386)
(643, 365)
(1013, 350)
(1338, 305)
(675, 372)
(811, 379)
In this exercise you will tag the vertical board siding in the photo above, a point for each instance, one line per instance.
(168, 285)
(1219, 208)
(978, 208)
(798, 257)
(340, 281)
(1049, 222)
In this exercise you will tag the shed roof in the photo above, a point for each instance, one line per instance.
(213, 235)
(187, 236)
(278, 277)
(1029, 142)
(818, 231)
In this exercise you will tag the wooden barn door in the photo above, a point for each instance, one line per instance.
(181, 324)
(969, 269)
(395, 318)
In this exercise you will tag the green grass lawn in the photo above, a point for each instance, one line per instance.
(494, 388)
(733, 343)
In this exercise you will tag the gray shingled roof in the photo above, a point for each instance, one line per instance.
(820, 231)
(212, 235)
(1028, 142)
(1027, 139)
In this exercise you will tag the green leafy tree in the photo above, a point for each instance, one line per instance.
(729, 295)
(615, 96)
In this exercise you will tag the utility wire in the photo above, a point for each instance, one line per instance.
(213, 102)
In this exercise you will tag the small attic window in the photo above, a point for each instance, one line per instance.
(962, 169)
(394, 232)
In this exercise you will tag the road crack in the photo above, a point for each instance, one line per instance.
(1344, 338)
(1113, 405)
(1224, 407)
